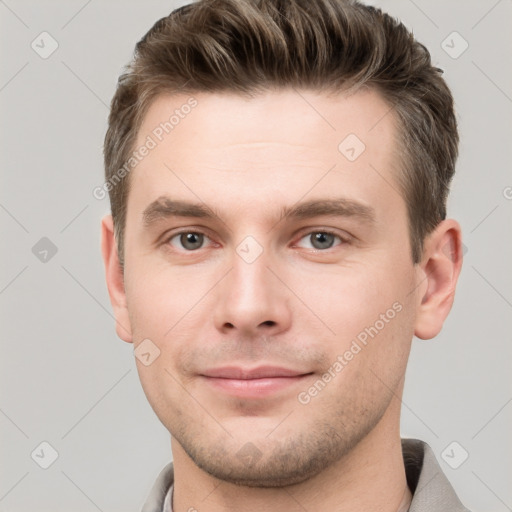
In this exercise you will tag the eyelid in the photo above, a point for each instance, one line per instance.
(323, 229)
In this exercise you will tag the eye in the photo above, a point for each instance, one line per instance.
(188, 240)
(322, 240)
(191, 241)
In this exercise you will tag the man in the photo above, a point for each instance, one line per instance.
(278, 173)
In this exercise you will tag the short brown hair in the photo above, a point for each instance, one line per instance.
(249, 46)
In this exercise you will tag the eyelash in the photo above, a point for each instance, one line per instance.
(343, 240)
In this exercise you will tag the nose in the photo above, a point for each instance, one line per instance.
(252, 299)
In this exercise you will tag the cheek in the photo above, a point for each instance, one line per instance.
(160, 298)
(162, 318)
(367, 360)
(367, 314)
(346, 299)
(169, 308)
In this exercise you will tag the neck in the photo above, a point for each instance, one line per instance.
(370, 477)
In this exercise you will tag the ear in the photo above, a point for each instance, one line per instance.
(115, 279)
(439, 269)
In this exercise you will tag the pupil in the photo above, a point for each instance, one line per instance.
(321, 238)
(191, 240)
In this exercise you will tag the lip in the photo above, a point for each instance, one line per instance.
(239, 373)
(253, 383)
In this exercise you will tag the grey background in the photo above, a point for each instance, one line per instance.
(65, 376)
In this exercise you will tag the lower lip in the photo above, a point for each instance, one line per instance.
(254, 388)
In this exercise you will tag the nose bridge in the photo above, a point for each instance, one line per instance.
(251, 297)
(250, 278)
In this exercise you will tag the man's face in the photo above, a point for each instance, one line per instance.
(247, 289)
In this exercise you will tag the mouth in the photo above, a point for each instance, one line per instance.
(253, 383)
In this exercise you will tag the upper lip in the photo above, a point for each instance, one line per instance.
(236, 372)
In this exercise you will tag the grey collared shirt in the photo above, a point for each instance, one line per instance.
(429, 486)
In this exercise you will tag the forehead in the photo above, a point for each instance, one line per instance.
(228, 118)
(276, 146)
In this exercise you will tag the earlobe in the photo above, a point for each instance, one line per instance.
(115, 279)
(440, 266)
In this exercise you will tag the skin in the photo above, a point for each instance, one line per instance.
(298, 305)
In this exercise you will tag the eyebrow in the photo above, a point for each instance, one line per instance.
(164, 207)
